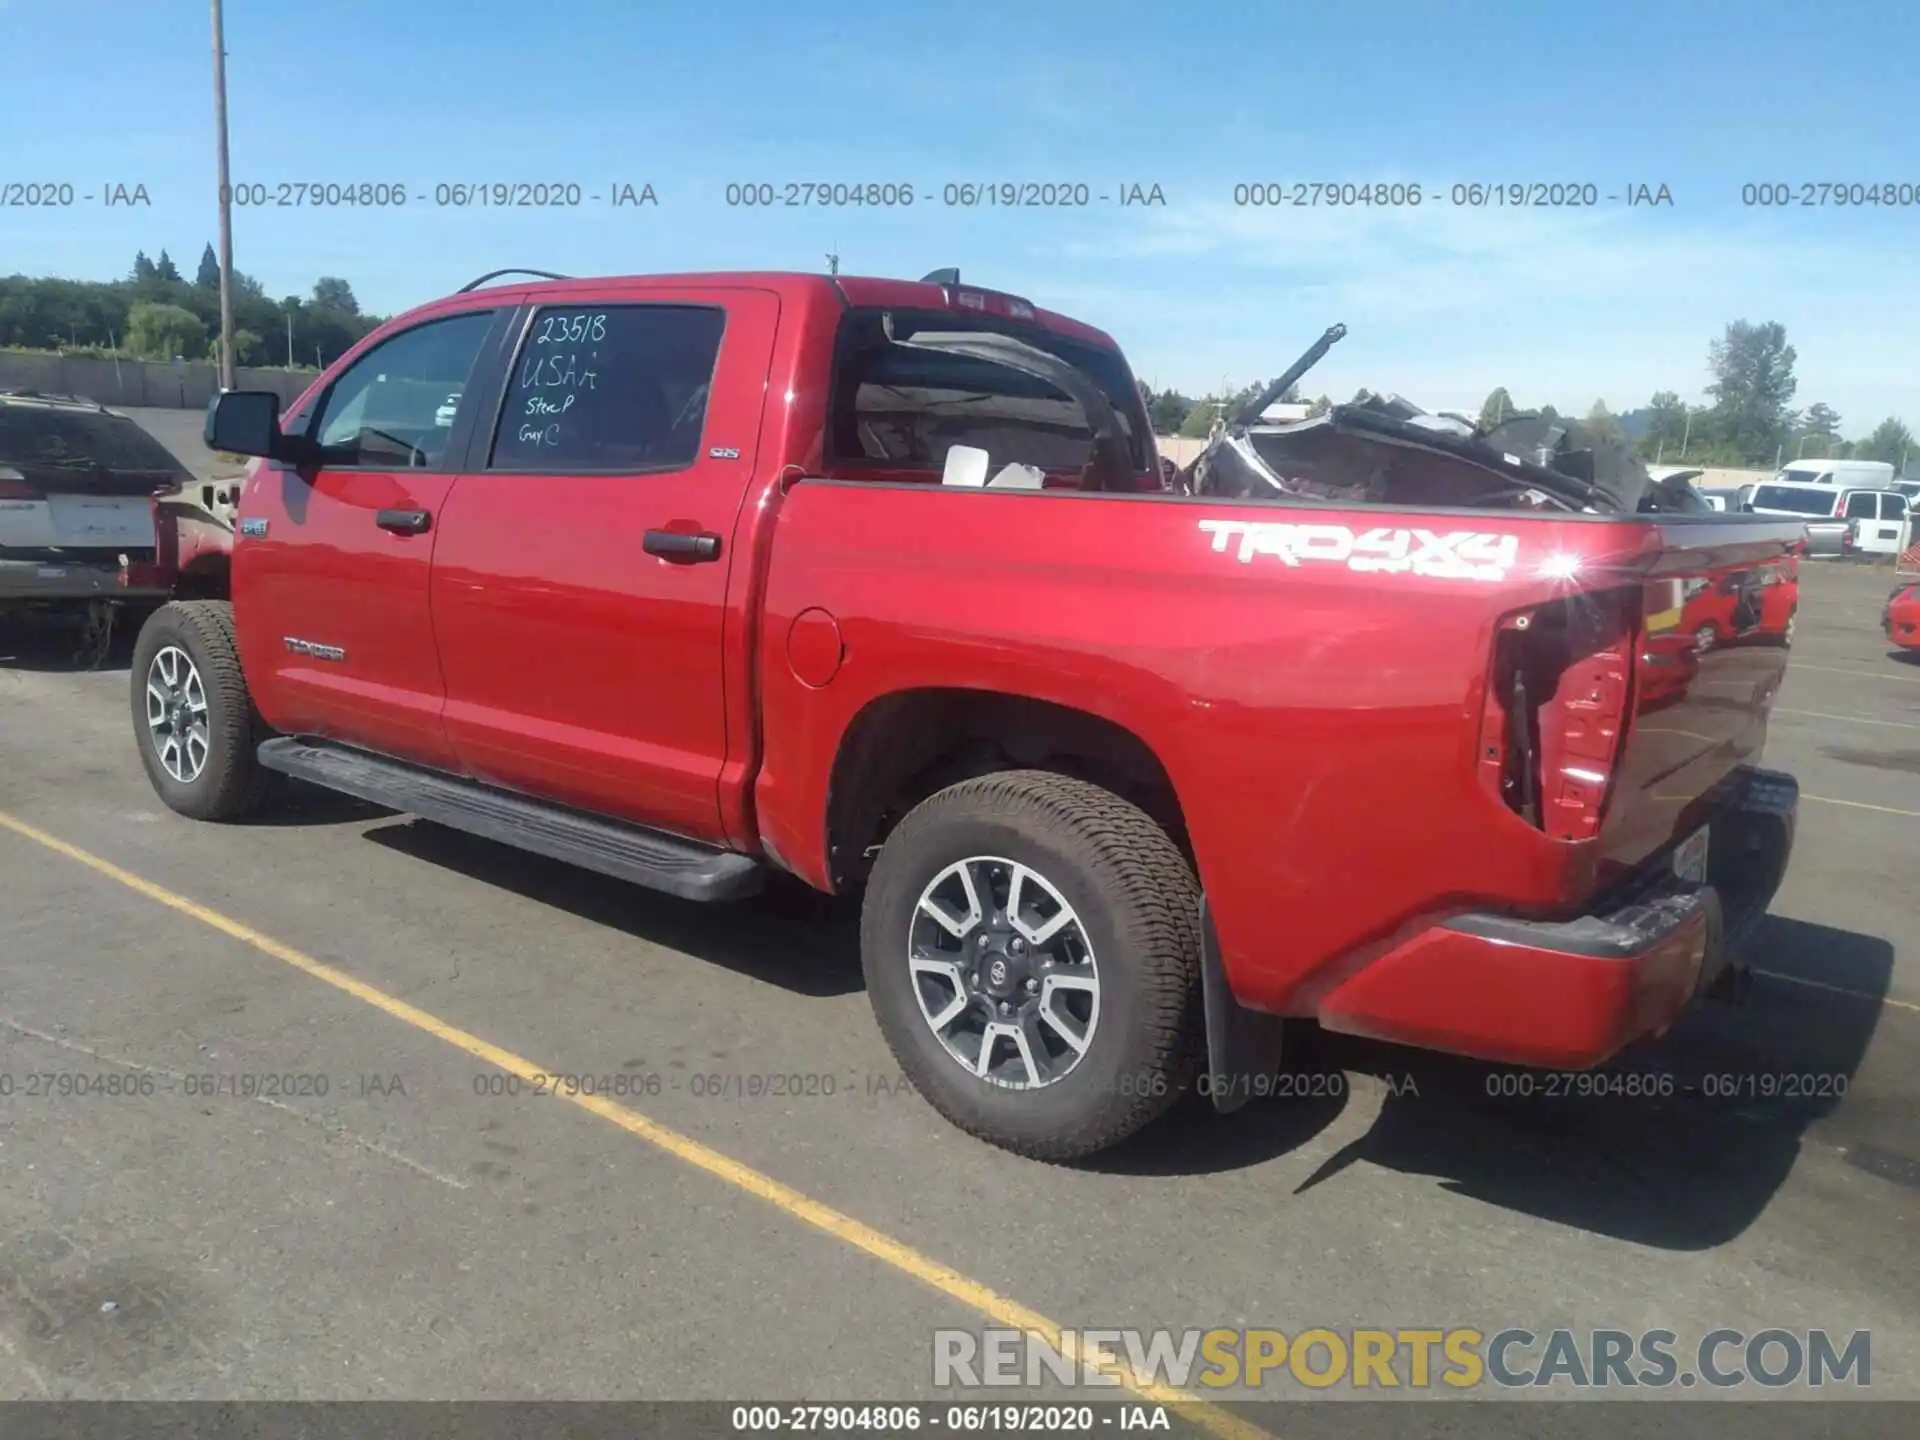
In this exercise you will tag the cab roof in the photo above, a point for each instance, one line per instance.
(804, 288)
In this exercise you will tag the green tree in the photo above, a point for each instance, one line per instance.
(1601, 425)
(47, 313)
(143, 267)
(1819, 433)
(1821, 420)
(1497, 408)
(1199, 422)
(1890, 441)
(1168, 410)
(160, 332)
(330, 292)
(165, 269)
(1752, 386)
(1319, 407)
(1666, 424)
(207, 277)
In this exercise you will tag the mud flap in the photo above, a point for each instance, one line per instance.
(1243, 1045)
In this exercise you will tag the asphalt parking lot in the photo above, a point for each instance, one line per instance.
(415, 1233)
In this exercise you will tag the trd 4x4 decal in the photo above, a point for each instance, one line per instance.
(1457, 555)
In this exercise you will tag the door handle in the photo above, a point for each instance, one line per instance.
(682, 544)
(403, 522)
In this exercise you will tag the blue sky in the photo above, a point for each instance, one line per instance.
(1442, 302)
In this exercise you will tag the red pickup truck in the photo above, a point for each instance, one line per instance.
(880, 583)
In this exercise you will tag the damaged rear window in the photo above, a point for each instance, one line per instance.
(1384, 451)
(1327, 464)
(896, 405)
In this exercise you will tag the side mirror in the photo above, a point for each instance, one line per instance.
(245, 422)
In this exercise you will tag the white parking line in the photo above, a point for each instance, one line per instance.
(1870, 674)
(1847, 719)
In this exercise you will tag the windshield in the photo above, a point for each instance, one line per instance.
(1800, 502)
(902, 406)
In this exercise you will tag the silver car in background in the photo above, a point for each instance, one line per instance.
(1829, 532)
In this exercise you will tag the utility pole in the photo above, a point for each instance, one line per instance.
(1687, 433)
(289, 337)
(833, 264)
(226, 197)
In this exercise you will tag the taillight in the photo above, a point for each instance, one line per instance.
(1556, 709)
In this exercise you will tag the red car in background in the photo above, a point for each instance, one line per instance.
(1756, 606)
(1901, 618)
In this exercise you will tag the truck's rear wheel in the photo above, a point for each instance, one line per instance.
(1032, 952)
(192, 717)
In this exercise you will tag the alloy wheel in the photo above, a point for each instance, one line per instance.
(177, 714)
(1004, 972)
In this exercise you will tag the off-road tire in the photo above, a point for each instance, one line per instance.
(1138, 901)
(232, 784)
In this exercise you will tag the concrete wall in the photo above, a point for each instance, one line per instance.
(137, 382)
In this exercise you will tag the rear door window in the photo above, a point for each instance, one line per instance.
(600, 389)
(1861, 505)
(1800, 502)
(1893, 507)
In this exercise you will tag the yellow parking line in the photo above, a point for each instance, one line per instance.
(902, 1257)
(1859, 805)
(1838, 990)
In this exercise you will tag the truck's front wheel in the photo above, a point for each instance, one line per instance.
(192, 717)
(1032, 952)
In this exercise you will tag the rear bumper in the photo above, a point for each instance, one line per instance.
(1573, 993)
(68, 580)
(1828, 542)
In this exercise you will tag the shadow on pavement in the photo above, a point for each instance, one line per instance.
(294, 802)
(1681, 1144)
(56, 642)
(789, 936)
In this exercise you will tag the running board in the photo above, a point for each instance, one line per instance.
(627, 852)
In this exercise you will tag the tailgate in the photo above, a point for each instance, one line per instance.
(1718, 602)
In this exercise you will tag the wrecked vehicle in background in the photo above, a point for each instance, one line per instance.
(193, 541)
(1384, 450)
(76, 528)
